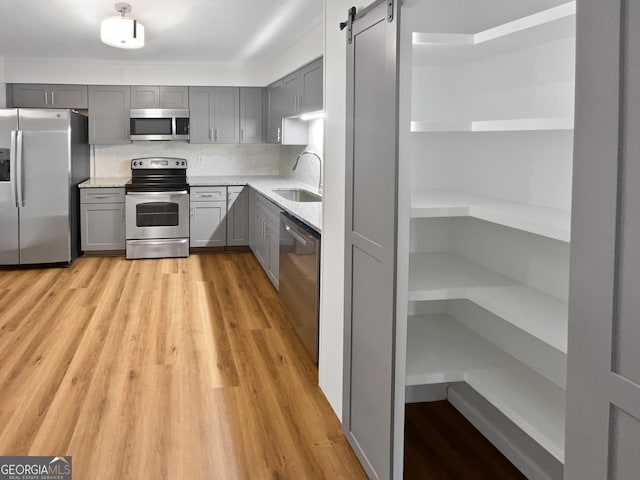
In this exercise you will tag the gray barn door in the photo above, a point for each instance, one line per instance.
(603, 388)
(371, 179)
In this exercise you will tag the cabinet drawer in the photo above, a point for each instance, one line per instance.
(208, 194)
(235, 189)
(102, 195)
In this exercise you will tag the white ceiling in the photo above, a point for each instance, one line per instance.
(224, 31)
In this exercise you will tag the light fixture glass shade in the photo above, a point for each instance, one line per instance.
(122, 32)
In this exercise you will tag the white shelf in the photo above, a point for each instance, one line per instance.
(442, 276)
(439, 350)
(508, 125)
(548, 222)
(453, 48)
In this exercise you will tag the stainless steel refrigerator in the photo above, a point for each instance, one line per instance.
(44, 155)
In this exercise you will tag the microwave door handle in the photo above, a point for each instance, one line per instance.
(13, 179)
(174, 131)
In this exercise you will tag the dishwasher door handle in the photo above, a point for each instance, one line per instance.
(296, 235)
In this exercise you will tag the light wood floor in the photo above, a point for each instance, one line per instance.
(162, 369)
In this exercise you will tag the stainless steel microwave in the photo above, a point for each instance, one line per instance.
(159, 124)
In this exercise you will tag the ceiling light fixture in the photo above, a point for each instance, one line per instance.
(122, 32)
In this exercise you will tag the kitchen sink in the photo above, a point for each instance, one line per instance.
(298, 195)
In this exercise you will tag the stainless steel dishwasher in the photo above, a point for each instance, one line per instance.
(300, 279)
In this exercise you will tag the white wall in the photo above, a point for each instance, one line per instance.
(307, 171)
(305, 49)
(95, 72)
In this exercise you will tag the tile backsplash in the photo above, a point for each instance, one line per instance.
(263, 159)
(114, 160)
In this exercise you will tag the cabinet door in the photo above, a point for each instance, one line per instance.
(30, 96)
(275, 109)
(68, 96)
(49, 96)
(251, 115)
(201, 114)
(174, 97)
(371, 173)
(208, 224)
(145, 97)
(261, 239)
(252, 217)
(273, 237)
(603, 359)
(292, 91)
(311, 98)
(226, 115)
(103, 226)
(109, 114)
(238, 216)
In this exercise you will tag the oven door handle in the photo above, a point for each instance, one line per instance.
(144, 194)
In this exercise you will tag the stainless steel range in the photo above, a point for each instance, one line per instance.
(157, 208)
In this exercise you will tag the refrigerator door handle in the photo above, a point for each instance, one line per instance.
(20, 166)
(12, 167)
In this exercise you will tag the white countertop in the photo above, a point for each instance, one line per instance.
(308, 212)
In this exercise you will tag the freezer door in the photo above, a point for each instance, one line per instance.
(43, 186)
(8, 201)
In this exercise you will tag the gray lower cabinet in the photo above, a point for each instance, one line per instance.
(102, 219)
(266, 229)
(109, 107)
(47, 96)
(214, 114)
(251, 107)
(208, 226)
(149, 96)
(237, 216)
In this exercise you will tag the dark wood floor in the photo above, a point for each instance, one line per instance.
(440, 444)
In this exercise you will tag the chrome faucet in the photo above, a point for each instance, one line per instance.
(308, 152)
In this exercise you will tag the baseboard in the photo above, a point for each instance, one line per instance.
(530, 458)
(425, 393)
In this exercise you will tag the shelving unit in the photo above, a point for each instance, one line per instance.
(548, 222)
(442, 276)
(531, 30)
(486, 133)
(509, 125)
(441, 350)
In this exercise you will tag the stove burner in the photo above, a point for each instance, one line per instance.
(158, 174)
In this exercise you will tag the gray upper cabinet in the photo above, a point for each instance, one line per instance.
(159, 97)
(48, 96)
(292, 93)
(251, 103)
(109, 114)
(214, 113)
(226, 115)
(275, 111)
(311, 79)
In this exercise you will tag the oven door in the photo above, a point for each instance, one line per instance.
(157, 215)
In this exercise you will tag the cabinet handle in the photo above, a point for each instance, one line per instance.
(53, 98)
(216, 131)
(101, 196)
(279, 136)
(264, 234)
(46, 98)
(241, 134)
(210, 134)
(121, 214)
